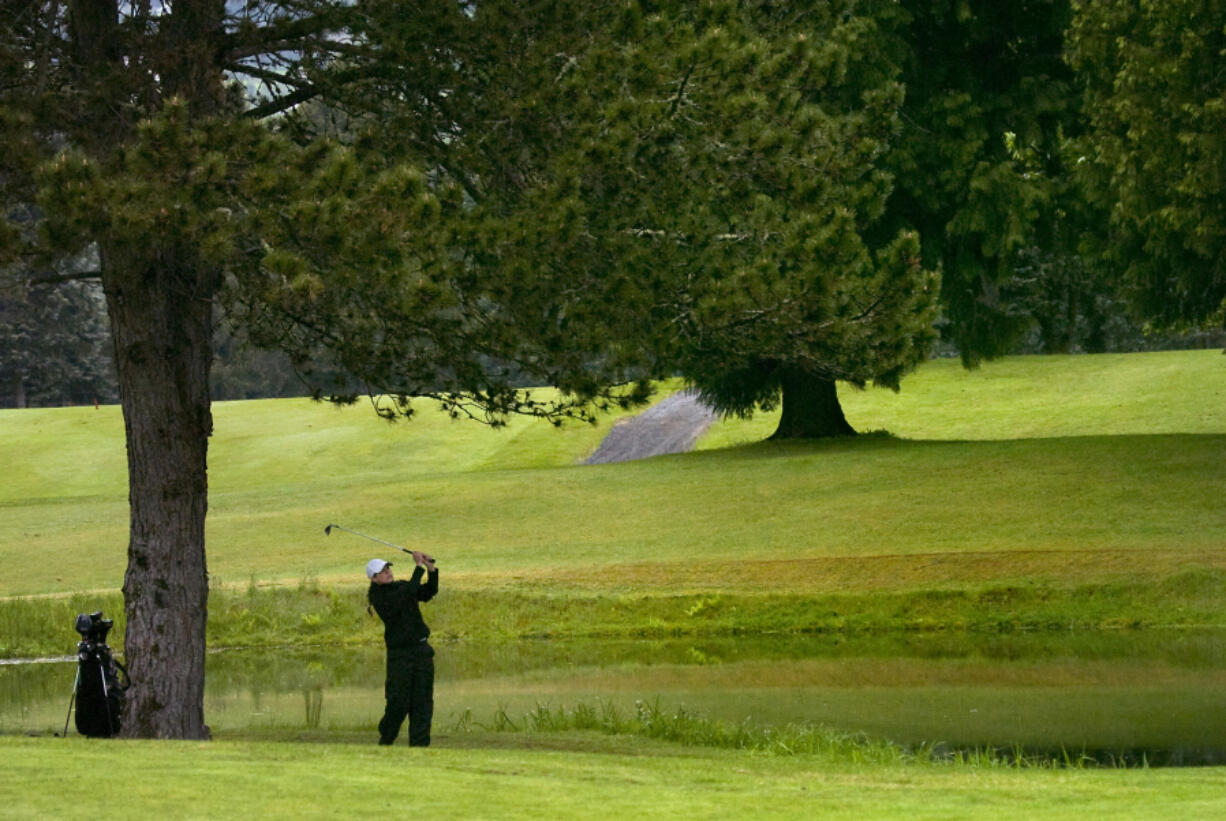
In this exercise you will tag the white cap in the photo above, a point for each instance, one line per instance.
(375, 567)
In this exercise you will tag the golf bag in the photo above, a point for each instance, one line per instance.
(102, 682)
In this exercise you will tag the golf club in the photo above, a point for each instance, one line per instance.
(328, 532)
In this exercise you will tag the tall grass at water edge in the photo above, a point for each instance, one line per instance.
(309, 614)
(679, 726)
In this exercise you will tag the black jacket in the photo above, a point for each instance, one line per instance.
(396, 604)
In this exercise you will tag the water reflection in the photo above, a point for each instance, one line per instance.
(1156, 692)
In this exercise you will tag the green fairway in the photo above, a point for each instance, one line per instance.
(1057, 469)
(279, 471)
(1035, 397)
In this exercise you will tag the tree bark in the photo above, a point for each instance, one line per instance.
(160, 302)
(161, 324)
(811, 409)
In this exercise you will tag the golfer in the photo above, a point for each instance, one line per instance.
(410, 658)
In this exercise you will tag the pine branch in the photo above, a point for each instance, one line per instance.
(285, 34)
(282, 104)
(266, 75)
(58, 279)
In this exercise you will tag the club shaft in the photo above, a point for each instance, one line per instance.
(328, 529)
(372, 538)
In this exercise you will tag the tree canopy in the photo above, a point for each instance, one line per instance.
(977, 164)
(705, 172)
(745, 177)
(1154, 155)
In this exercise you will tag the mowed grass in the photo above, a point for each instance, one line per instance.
(1040, 469)
(279, 471)
(567, 775)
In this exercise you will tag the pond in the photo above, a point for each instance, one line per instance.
(1161, 695)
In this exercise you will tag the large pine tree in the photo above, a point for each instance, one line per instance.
(707, 173)
(171, 141)
(738, 171)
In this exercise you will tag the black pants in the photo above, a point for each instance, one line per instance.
(410, 692)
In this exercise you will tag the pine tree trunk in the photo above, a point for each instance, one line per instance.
(161, 324)
(159, 299)
(19, 390)
(811, 409)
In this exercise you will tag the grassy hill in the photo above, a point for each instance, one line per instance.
(1036, 476)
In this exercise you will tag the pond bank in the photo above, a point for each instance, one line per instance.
(308, 614)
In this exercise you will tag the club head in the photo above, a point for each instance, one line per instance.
(328, 530)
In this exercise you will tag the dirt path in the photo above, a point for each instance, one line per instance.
(672, 426)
